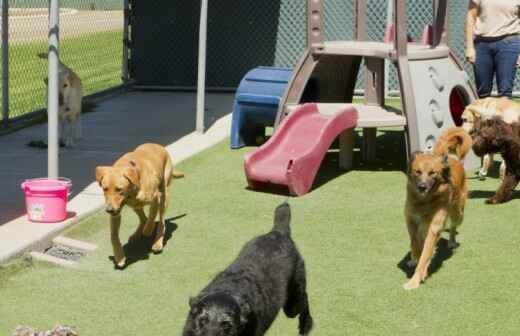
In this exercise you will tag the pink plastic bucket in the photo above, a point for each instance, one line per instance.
(46, 199)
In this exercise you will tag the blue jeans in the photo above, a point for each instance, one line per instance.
(496, 58)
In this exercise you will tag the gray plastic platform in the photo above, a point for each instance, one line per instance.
(416, 51)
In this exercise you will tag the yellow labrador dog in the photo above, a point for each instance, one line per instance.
(138, 179)
(487, 108)
(70, 97)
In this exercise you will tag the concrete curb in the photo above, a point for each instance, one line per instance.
(20, 236)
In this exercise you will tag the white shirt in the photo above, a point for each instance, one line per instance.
(497, 17)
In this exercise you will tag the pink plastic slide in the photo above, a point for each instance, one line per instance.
(293, 155)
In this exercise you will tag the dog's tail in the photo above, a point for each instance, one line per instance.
(454, 141)
(177, 174)
(282, 218)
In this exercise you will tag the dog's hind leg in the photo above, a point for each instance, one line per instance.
(142, 221)
(502, 170)
(456, 217)
(77, 128)
(505, 191)
(161, 227)
(297, 300)
(487, 160)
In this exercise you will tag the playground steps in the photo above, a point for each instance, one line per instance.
(379, 49)
(369, 116)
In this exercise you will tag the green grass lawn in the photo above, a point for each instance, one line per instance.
(96, 57)
(350, 230)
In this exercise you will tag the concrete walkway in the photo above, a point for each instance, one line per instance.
(115, 127)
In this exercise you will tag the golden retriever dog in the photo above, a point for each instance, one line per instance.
(137, 179)
(484, 109)
(436, 191)
(70, 96)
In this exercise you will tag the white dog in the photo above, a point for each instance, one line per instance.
(70, 101)
(487, 108)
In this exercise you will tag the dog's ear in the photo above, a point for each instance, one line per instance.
(100, 173)
(412, 159)
(132, 174)
(414, 155)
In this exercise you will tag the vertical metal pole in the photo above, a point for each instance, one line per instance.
(126, 42)
(439, 22)
(52, 102)
(401, 28)
(201, 81)
(315, 29)
(361, 20)
(389, 21)
(5, 62)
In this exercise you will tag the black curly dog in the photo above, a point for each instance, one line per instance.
(496, 136)
(244, 299)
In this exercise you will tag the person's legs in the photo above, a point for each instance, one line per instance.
(506, 58)
(484, 68)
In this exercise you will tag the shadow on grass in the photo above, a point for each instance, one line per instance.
(140, 250)
(481, 194)
(442, 254)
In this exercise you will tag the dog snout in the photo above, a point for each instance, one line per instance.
(111, 210)
(422, 187)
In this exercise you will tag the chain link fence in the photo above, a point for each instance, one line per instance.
(164, 38)
(248, 33)
(91, 32)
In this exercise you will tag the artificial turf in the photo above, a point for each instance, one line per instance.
(350, 230)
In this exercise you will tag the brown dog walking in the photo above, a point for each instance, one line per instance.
(436, 191)
(138, 179)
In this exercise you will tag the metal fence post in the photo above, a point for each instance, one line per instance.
(5, 63)
(201, 80)
(53, 102)
(389, 22)
(126, 41)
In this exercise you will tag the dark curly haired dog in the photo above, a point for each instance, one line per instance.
(496, 136)
(244, 299)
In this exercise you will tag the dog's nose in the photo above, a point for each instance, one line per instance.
(111, 210)
(422, 187)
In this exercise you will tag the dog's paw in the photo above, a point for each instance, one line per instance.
(157, 247)
(121, 263)
(412, 284)
(119, 260)
(492, 200)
